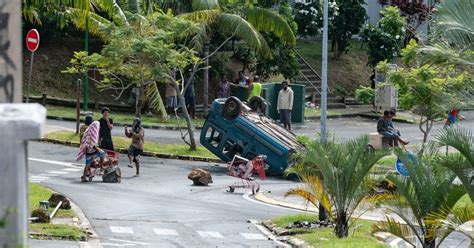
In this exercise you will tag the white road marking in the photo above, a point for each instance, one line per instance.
(117, 245)
(128, 241)
(246, 196)
(72, 169)
(253, 236)
(39, 177)
(48, 175)
(121, 229)
(58, 172)
(207, 234)
(55, 162)
(165, 231)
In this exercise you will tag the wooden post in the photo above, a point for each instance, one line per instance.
(44, 99)
(78, 105)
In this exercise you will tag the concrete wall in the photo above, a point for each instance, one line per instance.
(10, 51)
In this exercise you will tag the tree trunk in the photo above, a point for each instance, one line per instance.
(189, 124)
(206, 80)
(342, 226)
(138, 101)
(429, 243)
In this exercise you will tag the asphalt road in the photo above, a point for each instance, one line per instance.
(341, 129)
(160, 208)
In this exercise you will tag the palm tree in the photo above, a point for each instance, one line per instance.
(428, 189)
(453, 34)
(241, 19)
(461, 163)
(344, 168)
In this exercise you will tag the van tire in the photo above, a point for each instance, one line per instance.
(258, 104)
(232, 108)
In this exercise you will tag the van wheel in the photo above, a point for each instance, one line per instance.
(258, 104)
(232, 108)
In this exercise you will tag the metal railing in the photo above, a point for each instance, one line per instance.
(312, 70)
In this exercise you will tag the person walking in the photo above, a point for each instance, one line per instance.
(105, 134)
(87, 122)
(189, 98)
(285, 105)
(90, 151)
(137, 133)
(171, 99)
(224, 88)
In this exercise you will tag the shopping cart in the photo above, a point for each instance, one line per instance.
(110, 161)
(244, 169)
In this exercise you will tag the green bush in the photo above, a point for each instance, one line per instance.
(365, 94)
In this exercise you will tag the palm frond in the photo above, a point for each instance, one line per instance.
(451, 221)
(270, 21)
(98, 25)
(30, 13)
(202, 16)
(237, 25)
(205, 4)
(156, 103)
(394, 227)
(454, 20)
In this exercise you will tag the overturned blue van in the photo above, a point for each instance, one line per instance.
(233, 128)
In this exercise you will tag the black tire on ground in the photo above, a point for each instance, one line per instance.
(232, 108)
(258, 104)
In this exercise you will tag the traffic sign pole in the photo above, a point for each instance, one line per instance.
(32, 43)
(29, 77)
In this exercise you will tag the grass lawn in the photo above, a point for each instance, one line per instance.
(123, 118)
(39, 193)
(121, 142)
(359, 233)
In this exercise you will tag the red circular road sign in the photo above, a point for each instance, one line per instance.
(32, 40)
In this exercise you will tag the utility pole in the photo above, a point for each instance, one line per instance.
(324, 90)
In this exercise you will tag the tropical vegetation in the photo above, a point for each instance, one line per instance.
(335, 175)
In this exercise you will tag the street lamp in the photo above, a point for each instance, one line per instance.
(324, 89)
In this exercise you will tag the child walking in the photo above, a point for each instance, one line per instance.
(136, 148)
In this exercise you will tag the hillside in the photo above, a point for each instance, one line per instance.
(345, 73)
(54, 55)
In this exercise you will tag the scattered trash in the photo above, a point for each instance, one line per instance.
(200, 177)
(311, 224)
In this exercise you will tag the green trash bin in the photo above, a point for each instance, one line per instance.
(270, 93)
(271, 90)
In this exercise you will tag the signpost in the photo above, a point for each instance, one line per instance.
(32, 43)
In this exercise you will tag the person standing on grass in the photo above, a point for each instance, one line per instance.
(137, 133)
(285, 105)
(105, 134)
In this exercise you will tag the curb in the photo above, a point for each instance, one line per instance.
(118, 124)
(294, 242)
(313, 118)
(263, 198)
(146, 154)
(373, 116)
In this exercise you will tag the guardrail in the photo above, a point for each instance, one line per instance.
(311, 68)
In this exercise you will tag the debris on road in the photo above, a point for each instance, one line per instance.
(200, 177)
(56, 198)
